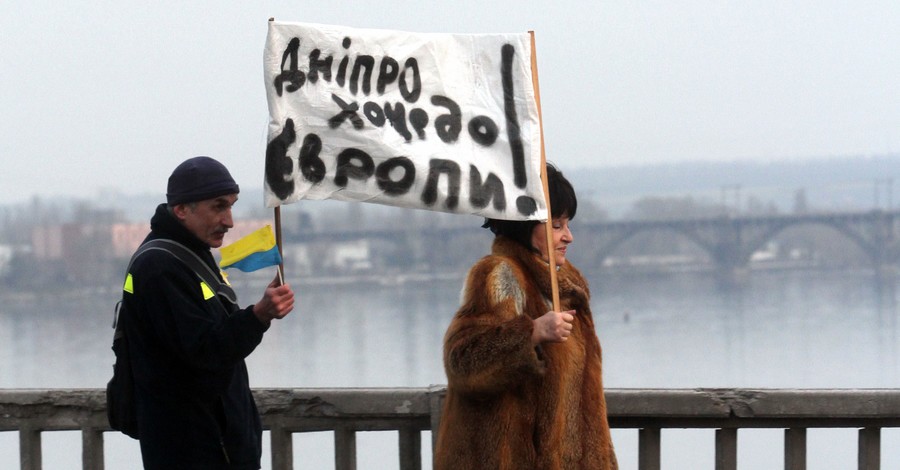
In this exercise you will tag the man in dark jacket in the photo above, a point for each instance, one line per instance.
(188, 345)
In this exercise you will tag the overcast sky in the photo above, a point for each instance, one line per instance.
(115, 94)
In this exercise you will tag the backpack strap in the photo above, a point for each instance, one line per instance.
(189, 258)
(192, 261)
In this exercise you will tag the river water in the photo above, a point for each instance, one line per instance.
(789, 329)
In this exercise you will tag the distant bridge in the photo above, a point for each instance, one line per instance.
(730, 241)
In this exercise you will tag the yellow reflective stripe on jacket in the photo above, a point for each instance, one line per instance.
(207, 292)
(129, 287)
(129, 284)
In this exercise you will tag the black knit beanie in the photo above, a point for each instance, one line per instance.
(198, 179)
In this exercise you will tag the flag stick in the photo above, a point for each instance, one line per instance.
(554, 284)
(278, 242)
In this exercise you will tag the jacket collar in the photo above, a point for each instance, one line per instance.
(165, 225)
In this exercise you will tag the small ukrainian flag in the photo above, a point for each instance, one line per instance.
(254, 251)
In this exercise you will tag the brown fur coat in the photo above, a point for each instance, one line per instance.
(510, 405)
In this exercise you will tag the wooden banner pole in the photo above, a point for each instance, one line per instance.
(278, 231)
(554, 284)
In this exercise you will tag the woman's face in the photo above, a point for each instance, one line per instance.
(562, 236)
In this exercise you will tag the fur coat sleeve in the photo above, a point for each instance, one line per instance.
(488, 346)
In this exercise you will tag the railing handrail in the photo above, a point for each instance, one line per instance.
(412, 410)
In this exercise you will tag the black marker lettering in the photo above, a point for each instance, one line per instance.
(447, 125)
(513, 131)
(368, 62)
(397, 116)
(419, 120)
(311, 166)
(374, 113)
(384, 178)
(411, 96)
(387, 73)
(278, 165)
(294, 77)
(316, 65)
(348, 111)
(437, 167)
(353, 163)
(342, 68)
(526, 205)
(480, 194)
(483, 130)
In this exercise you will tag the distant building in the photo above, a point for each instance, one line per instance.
(126, 237)
(6, 255)
(99, 250)
(349, 257)
(77, 250)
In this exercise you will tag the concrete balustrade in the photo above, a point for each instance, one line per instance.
(410, 411)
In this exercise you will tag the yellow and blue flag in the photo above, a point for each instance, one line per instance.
(254, 251)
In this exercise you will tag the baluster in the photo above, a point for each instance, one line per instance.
(344, 449)
(30, 448)
(282, 448)
(795, 449)
(649, 449)
(436, 406)
(410, 449)
(92, 449)
(726, 449)
(870, 449)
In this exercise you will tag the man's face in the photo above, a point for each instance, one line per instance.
(208, 220)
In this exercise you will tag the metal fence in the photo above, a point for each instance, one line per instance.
(410, 411)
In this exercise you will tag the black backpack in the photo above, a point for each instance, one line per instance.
(121, 408)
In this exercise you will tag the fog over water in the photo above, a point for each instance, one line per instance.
(782, 330)
(98, 95)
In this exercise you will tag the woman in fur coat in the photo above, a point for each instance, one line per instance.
(524, 386)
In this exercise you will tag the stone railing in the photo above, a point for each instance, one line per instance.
(409, 411)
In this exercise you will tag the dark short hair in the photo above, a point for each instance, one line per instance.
(562, 203)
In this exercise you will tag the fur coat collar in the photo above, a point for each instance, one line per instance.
(573, 288)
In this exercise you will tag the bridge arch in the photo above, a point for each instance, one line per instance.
(731, 242)
(771, 233)
(608, 247)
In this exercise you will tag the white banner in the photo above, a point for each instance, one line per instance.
(442, 122)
